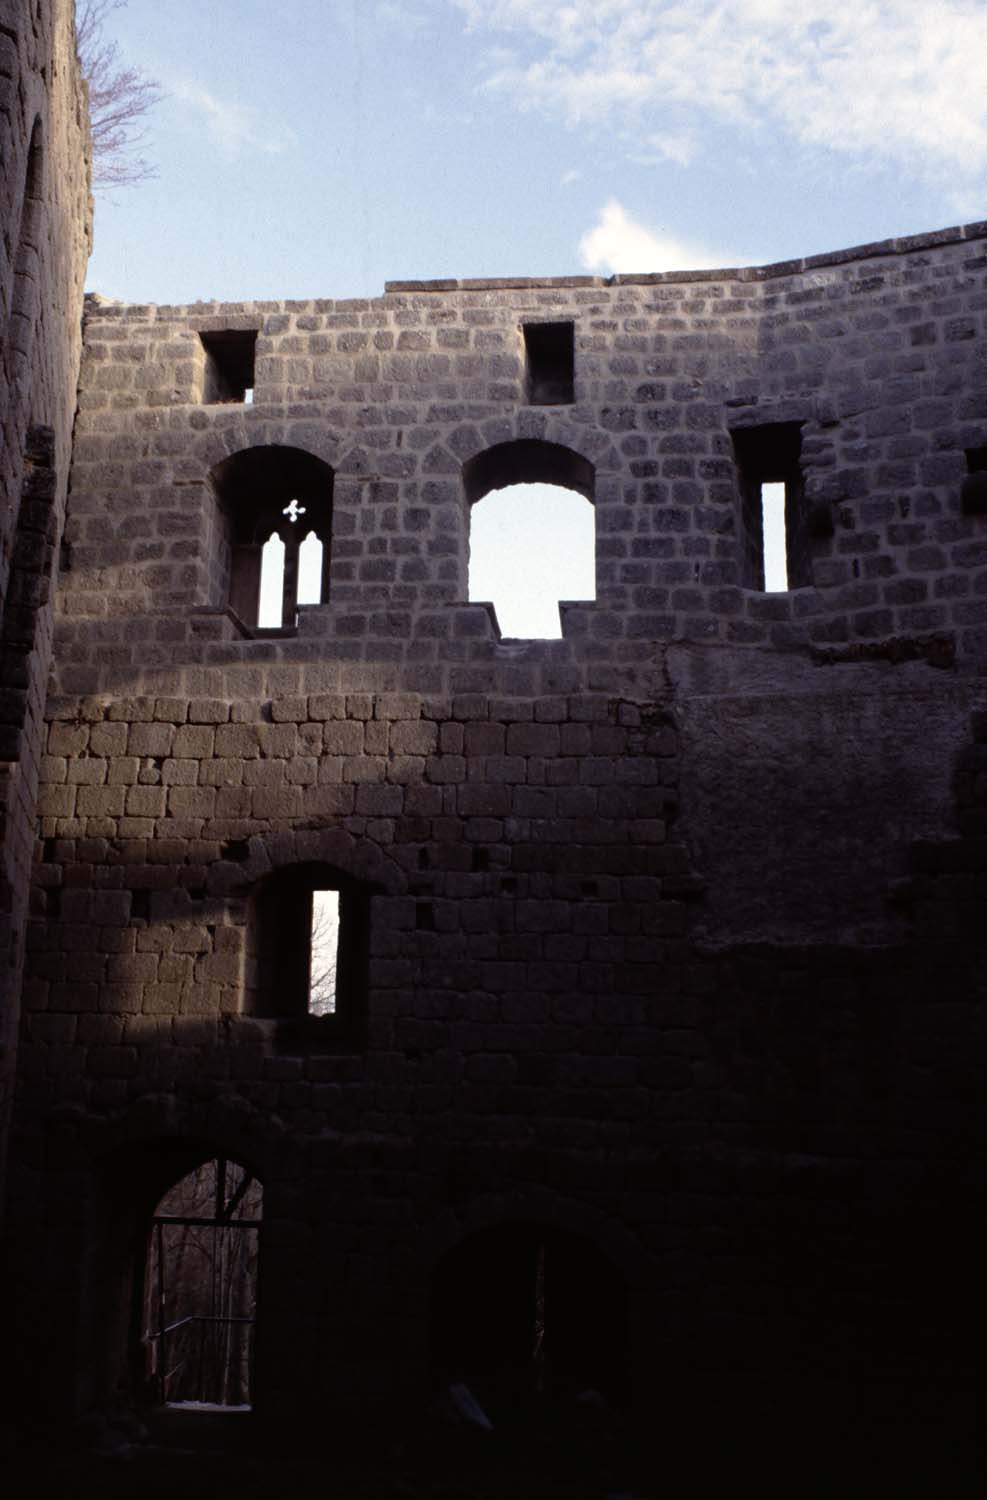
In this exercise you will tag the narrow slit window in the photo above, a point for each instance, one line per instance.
(323, 951)
(270, 610)
(308, 949)
(775, 541)
(973, 494)
(229, 373)
(550, 363)
(310, 570)
(777, 538)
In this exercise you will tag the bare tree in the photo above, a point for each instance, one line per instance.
(323, 953)
(120, 98)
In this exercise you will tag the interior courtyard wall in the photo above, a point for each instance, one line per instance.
(673, 934)
(44, 246)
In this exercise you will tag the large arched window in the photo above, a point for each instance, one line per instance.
(532, 533)
(275, 530)
(200, 1291)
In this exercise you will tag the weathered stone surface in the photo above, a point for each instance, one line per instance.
(667, 935)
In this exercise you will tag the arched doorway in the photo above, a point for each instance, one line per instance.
(523, 1309)
(200, 1288)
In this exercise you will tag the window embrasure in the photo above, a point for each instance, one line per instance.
(308, 948)
(550, 363)
(532, 540)
(230, 356)
(774, 529)
(275, 522)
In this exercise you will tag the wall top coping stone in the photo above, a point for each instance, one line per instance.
(101, 306)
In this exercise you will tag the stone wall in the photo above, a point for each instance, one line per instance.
(45, 212)
(671, 937)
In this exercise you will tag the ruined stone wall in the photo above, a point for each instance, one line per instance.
(671, 933)
(45, 213)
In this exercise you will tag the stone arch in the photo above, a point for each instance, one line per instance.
(528, 549)
(357, 859)
(199, 1302)
(527, 1302)
(261, 491)
(507, 1229)
(539, 1205)
(528, 461)
(104, 1212)
(245, 427)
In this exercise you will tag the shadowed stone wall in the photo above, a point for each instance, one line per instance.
(44, 246)
(672, 937)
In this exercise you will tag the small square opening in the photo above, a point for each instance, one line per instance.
(550, 358)
(230, 358)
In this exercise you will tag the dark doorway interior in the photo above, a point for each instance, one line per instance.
(523, 1310)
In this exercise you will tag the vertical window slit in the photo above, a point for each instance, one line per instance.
(271, 606)
(323, 948)
(310, 570)
(775, 540)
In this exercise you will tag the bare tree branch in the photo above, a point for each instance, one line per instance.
(323, 952)
(119, 99)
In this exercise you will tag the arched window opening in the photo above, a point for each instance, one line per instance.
(523, 1311)
(307, 947)
(532, 534)
(200, 1291)
(263, 494)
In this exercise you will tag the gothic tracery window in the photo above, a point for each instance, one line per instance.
(275, 507)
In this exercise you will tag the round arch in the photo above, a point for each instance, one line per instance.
(532, 542)
(108, 1209)
(523, 1308)
(262, 493)
(527, 461)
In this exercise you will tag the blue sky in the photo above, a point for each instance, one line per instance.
(321, 147)
(316, 148)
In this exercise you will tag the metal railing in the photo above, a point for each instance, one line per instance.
(208, 1363)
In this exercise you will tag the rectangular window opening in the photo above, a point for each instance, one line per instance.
(323, 953)
(230, 358)
(973, 494)
(550, 363)
(776, 537)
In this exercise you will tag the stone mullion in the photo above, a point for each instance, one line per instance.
(289, 593)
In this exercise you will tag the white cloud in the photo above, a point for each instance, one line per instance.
(900, 81)
(570, 176)
(237, 127)
(618, 243)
